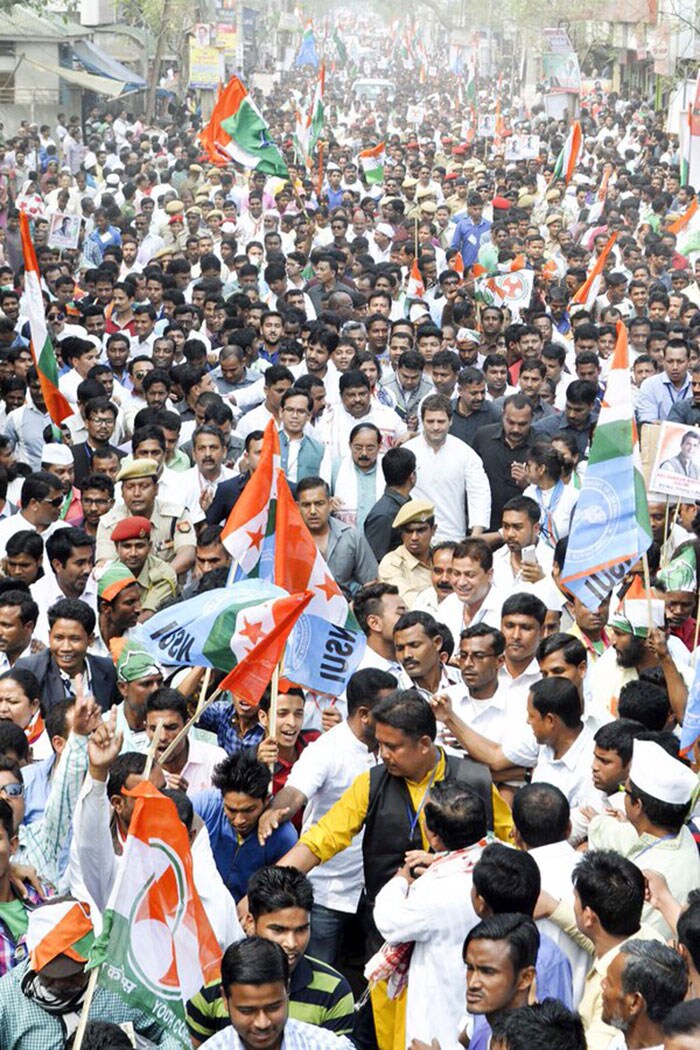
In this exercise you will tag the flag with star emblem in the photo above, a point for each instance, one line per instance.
(242, 629)
(326, 645)
(249, 533)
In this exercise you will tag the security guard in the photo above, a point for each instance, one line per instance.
(172, 532)
(156, 579)
(408, 566)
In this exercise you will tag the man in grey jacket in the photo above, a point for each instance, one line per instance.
(345, 549)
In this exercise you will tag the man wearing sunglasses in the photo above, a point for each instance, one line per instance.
(41, 501)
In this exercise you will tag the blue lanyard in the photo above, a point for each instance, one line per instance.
(549, 530)
(414, 817)
(664, 838)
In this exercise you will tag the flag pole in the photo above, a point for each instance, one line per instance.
(647, 588)
(87, 1003)
(152, 749)
(201, 708)
(663, 554)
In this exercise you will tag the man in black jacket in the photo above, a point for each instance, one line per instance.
(71, 629)
(228, 492)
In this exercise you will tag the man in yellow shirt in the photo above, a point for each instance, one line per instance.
(388, 802)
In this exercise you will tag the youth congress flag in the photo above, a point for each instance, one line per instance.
(250, 143)
(610, 529)
(372, 161)
(568, 158)
(317, 110)
(41, 345)
(157, 947)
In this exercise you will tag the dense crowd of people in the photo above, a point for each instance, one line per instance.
(489, 839)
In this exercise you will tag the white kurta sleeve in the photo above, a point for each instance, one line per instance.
(399, 914)
(478, 490)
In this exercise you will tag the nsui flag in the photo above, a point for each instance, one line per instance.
(157, 947)
(610, 530)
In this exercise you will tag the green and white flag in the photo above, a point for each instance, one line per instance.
(250, 143)
(372, 161)
(317, 110)
(157, 947)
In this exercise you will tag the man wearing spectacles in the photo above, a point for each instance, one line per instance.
(41, 502)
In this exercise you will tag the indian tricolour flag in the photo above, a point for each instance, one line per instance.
(317, 110)
(568, 158)
(588, 292)
(372, 161)
(157, 947)
(610, 530)
(41, 345)
(250, 143)
(686, 130)
(687, 229)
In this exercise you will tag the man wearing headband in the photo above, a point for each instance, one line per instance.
(138, 678)
(42, 998)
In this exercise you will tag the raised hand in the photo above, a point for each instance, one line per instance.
(104, 746)
(87, 714)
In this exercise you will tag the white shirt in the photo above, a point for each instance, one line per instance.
(201, 760)
(297, 1036)
(556, 862)
(93, 865)
(436, 913)
(323, 771)
(454, 480)
(46, 591)
(489, 717)
(571, 773)
(18, 523)
(192, 484)
(489, 612)
(256, 419)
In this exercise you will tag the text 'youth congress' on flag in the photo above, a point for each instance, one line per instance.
(157, 947)
(610, 530)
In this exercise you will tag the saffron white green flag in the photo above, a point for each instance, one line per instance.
(372, 161)
(250, 143)
(157, 947)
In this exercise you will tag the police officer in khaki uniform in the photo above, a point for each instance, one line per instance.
(156, 579)
(408, 566)
(172, 532)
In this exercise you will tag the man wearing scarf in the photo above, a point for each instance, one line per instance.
(42, 998)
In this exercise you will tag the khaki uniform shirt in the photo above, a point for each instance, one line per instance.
(157, 581)
(171, 531)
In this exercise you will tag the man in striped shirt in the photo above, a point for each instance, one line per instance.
(256, 986)
(279, 903)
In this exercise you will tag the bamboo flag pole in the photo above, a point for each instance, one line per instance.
(274, 694)
(647, 588)
(187, 726)
(152, 749)
(664, 557)
(87, 1003)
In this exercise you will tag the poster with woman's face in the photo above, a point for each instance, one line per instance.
(64, 231)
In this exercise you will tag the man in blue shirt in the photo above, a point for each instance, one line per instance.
(471, 232)
(231, 811)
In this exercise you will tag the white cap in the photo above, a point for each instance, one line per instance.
(113, 179)
(385, 228)
(467, 335)
(656, 773)
(56, 455)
